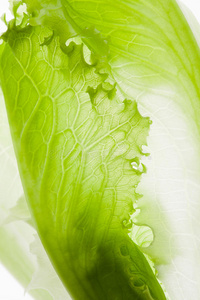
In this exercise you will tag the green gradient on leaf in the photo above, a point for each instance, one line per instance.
(154, 57)
(79, 142)
(75, 143)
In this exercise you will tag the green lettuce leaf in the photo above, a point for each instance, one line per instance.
(154, 57)
(75, 143)
(79, 142)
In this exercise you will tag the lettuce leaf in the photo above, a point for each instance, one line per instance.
(79, 142)
(75, 142)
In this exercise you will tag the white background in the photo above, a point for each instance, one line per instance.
(9, 288)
